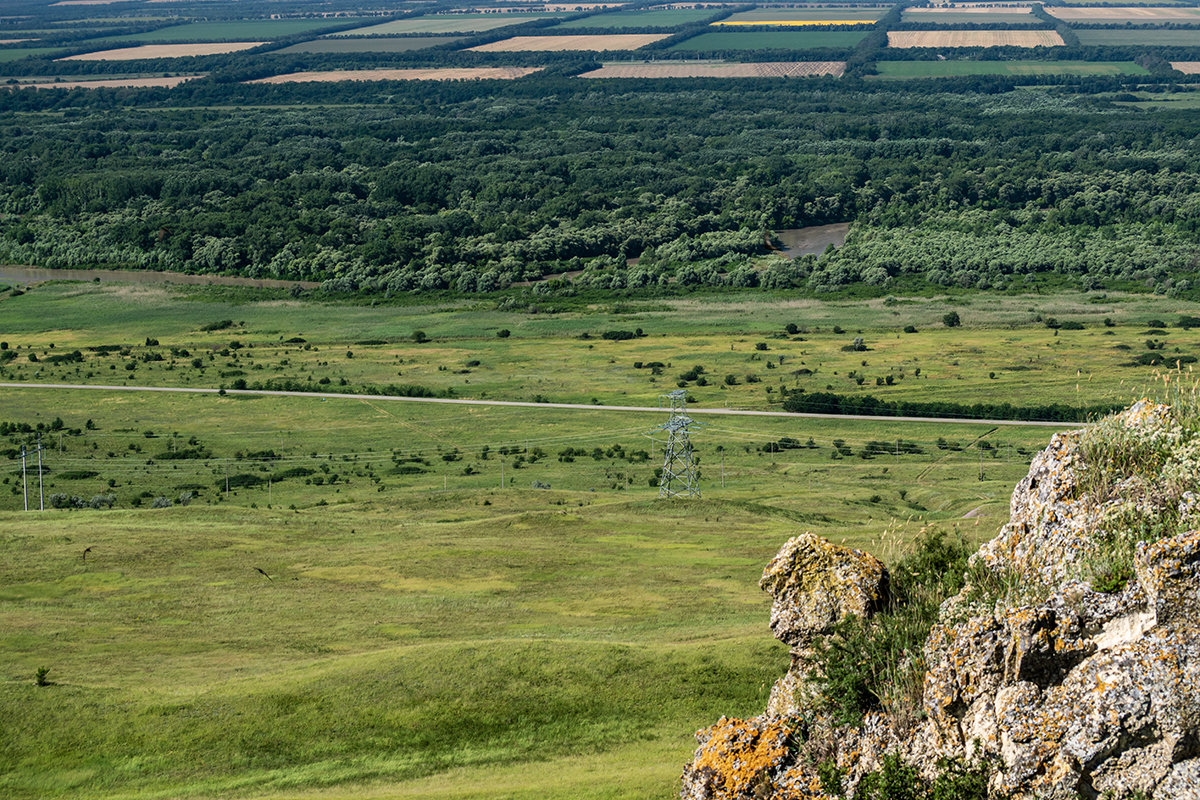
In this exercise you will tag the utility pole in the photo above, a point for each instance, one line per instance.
(680, 477)
(41, 495)
(24, 481)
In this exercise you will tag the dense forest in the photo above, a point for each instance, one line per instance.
(471, 187)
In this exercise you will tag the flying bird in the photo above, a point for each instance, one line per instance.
(265, 575)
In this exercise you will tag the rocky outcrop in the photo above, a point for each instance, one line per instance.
(814, 584)
(1070, 663)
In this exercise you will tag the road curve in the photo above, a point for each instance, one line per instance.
(731, 412)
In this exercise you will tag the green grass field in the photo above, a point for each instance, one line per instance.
(998, 16)
(15, 54)
(947, 69)
(237, 30)
(448, 23)
(766, 16)
(355, 44)
(1178, 37)
(669, 18)
(462, 601)
(772, 40)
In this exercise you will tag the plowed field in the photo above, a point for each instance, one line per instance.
(164, 51)
(907, 39)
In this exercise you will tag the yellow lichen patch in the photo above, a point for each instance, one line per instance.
(741, 755)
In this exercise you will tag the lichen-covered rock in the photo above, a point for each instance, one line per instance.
(815, 583)
(738, 759)
(1067, 690)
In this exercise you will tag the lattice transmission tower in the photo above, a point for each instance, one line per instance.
(680, 475)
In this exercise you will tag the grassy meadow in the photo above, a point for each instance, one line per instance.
(460, 601)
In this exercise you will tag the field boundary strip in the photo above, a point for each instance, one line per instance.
(737, 412)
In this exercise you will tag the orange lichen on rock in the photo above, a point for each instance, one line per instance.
(739, 757)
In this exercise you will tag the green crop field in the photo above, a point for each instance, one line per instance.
(447, 23)
(669, 18)
(354, 44)
(946, 69)
(236, 30)
(772, 40)
(1165, 37)
(14, 53)
(998, 15)
(461, 601)
(767, 16)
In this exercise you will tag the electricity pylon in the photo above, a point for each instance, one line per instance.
(680, 476)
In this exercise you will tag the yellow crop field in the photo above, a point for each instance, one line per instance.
(1186, 67)
(445, 74)
(720, 69)
(1011, 38)
(631, 41)
(164, 51)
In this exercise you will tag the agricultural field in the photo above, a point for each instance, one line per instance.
(110, 83)
(1118, 14)
(17, 53)
(771, 40)
(947, 69)
(719, 69)
(430, 74)
(234, 30)
(651, 18)
(950, 15)
(164, 51)
(346, 44)
(599, 43)
(447, 23)
(1010, 38)
(825, 15)
(1186, 67)
(1119, 37)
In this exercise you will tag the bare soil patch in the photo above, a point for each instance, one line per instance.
(1011, 38)
(1187, 67)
